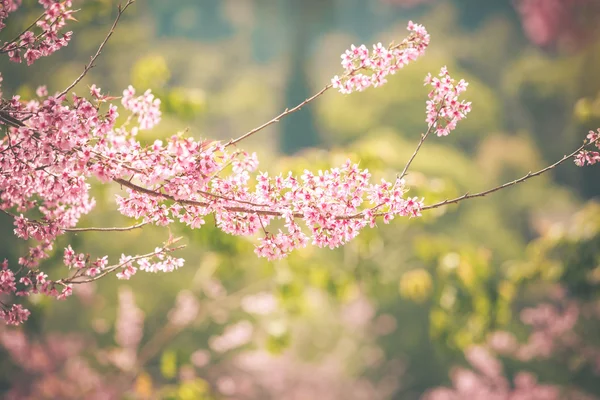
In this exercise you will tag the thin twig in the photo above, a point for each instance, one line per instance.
(286, 112)
(90, 65)
(113, 268)
(529, 175)
(423, 137)
(106, 229)
(9, 120)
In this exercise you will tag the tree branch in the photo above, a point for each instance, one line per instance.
(286, 112)
(529, 175)
(152, 193)
(107, 229)
(108, 270)
(359, 214)
(423, 137)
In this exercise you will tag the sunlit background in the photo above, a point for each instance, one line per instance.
(499, 293)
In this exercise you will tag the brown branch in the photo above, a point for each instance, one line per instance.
(107, 229)
(286, 112)
(152, 193)
(423, 137)
(529, 175)
(7, 119)
(90, 65)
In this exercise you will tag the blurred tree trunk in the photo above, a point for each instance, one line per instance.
(308, 19)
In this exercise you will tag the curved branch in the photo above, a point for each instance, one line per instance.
(360, 214)
(152, 193)
(529, 175)
(107, 229)
(287, 111)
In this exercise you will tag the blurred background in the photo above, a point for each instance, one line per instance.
(497, 295)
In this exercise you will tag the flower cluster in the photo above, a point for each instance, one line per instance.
(330, 205)
(586, 157)
(32, 45)
(145, 107)
(554, 22)
(380, 62)
(7, 7)
(554, 330)
(444, 110)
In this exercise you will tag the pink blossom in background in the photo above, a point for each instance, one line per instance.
(53, 368)
(259, 374)
(130, 320)
(358, 313)
(200, 358)
(553, 335)
(484, 361)
(547, 22)
(233, 337)
(490, 384)
(185, 310)
(262, 303)
(502, 342)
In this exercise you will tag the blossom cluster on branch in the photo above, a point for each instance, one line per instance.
(55, 145)
(381, 62)
(586, 157)
(42, 37)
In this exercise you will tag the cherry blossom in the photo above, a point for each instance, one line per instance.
(55, 146)
(443, 108)
(586, 157)
(43, 37)
(380, 62)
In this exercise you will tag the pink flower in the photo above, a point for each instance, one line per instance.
(16, 315)
(380, 62)
(444, 110)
